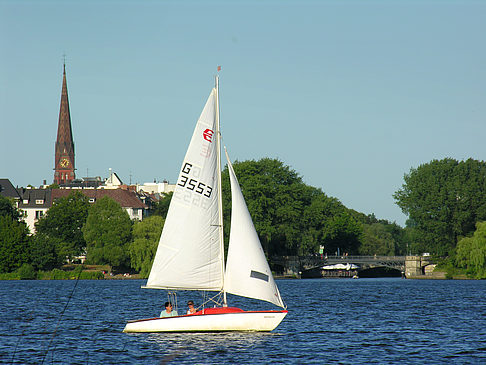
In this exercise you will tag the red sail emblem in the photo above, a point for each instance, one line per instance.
(208, 135)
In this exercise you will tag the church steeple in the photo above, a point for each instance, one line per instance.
(64, 153)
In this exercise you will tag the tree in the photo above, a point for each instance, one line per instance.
(27, 272)
(342, 233)
(444, 199)
(7, 208)
(146, 235)
(63, 224)
(381, 229)
(14, 243)
(377, 240)
(316, 224)
(14, 237)
(162, 206)
(402, 238)
(107, 233)
(44, 252)
(471, 252)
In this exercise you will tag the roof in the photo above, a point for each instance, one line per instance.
(7, 189)
(86, 182)
(35, 198)
(113, 179)
(126, 198)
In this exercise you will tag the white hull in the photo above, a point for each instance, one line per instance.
(218, 322)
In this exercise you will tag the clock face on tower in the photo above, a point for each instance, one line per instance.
(64, 162)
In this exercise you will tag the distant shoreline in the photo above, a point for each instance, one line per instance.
(104, 275)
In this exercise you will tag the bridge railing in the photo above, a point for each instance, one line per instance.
(334, 257)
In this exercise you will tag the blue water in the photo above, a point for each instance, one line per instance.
(329, 321)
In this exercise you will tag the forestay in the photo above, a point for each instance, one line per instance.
(247, 271)
(189, 253)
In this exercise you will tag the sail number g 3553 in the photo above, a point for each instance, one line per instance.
(193, 184)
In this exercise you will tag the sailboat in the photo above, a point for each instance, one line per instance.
(190, 254)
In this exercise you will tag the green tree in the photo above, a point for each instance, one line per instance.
(107, 233)
(27, 272)
(7, 208)
(342, 233)
(316, 224)
(63, 222)
(162, 206)
(146, 235)
(377, 240)
(471, 252)
(444, 199)
(14, 244)
(44, 252)
(399, 236)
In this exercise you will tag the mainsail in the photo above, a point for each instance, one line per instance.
(247, 271)
(189, 255)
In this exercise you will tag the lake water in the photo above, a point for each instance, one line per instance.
(330, 321)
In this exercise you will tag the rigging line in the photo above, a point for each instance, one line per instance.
(216, 299)
(60, 317)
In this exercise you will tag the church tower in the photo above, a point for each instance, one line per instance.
(64, 155)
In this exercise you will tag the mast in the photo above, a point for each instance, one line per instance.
(220, 189)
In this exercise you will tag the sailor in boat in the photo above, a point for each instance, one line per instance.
(168, 312)
(191, 309)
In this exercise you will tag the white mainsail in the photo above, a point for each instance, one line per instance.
(247, 271)
(189, 255)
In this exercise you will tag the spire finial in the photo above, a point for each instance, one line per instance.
(64, 62)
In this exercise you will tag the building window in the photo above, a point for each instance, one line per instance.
(39, 201)
(39, 214)
(92, 200)
(25, 201)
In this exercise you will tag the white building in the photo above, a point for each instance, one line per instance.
(34, 203)
(156, 188)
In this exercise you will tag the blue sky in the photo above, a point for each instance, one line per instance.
(350, 94)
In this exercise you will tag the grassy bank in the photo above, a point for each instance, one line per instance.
(73, 272)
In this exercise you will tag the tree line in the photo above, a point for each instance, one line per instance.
(73, 227)
(444, 200)
(291, 218)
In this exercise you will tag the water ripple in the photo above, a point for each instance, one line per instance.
(329, 321)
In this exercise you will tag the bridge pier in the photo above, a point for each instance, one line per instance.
(413, 266)
(421, 267)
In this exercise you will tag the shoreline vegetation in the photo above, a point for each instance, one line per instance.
(69, 272)
(104, 272)
(295, 219)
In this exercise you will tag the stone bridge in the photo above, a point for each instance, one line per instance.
(296, 265)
